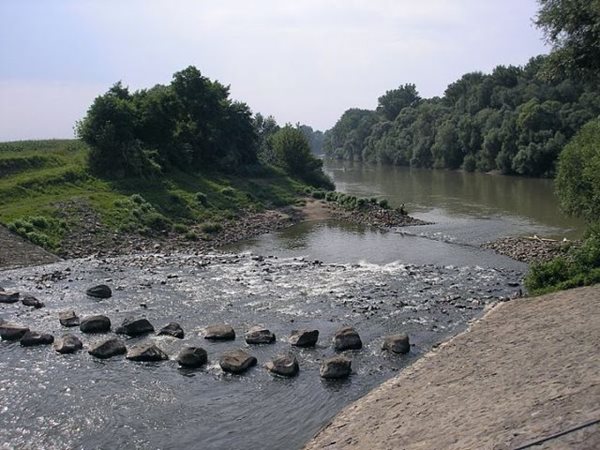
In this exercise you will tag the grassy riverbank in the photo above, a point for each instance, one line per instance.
(47, 192)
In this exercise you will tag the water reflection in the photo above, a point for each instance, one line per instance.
(476, 195)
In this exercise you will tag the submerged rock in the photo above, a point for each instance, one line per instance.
(284, 365)
(68, 318)
(236, 361)
(259, 335)
(398, 343)
(219, 333)
(12, 332)
(95, 324)
(304, 338)
(135, 327)
(108, 349)
(347, 338)
(172, 329)
(5, 297)
(32, 338)
(336, 368)
(30, 300)
(100, 291)
(192, 357)
(69, 343)
(146, 352)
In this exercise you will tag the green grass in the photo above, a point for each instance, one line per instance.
(580, 266)
(38, 178)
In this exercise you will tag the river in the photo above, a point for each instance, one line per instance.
(427, 281)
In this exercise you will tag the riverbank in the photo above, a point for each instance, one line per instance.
(527, 370)
(530, 249)
(91, 238)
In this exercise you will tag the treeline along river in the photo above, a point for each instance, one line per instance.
(427, 281)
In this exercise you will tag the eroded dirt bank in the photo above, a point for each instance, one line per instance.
(529, 369)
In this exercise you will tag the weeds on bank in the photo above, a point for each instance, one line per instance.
(579, 267)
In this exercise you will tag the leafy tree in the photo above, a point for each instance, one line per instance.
(394, 101)
(190, 124)
(578, 178)
(573, 29)
(292, 153)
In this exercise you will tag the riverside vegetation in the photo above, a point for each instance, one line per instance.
(178, 159)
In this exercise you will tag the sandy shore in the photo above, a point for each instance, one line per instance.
(527, 370)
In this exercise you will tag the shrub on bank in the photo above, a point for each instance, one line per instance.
(580, 267)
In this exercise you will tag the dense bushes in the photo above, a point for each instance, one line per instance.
(580, 267)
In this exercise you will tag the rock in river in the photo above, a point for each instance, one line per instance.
(95, 324)
(192, 357)
(32, 338)
(100, 291)
(347, 338)
(30, 300)
(236, 361)
(259, 335)
(146, 352)
(336, 367)
(219, 333)
(284, 365)
(304, 338)
(12, 332)
(68, 318)
(107, 349)
(69, 343)
(5, 297)
(172, 329)
(135, 327)
(398, 343)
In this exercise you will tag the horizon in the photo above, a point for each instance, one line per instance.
(302, 63)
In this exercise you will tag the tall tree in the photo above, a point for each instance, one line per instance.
(573, 29)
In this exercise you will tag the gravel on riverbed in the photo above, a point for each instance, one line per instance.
(529, 249)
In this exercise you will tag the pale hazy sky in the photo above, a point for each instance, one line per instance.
(302, 61)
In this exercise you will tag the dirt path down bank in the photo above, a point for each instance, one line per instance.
(529, 369)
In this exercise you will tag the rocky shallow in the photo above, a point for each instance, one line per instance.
(426, 302)
(530, 249)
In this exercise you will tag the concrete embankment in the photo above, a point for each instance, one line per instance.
(17, 252)
(528, 372)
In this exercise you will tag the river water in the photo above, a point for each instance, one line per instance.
(427, 281)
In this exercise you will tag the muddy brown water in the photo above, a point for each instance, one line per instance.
(426, 281)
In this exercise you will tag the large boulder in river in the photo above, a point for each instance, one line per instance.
(346, 338)
(6, 297)
(108, 349)
(30, 300)
(12, 332)
(259, 335)
(146, 352)
(100, 291)
(236, 361)
(172, 329)
(219, 333)
(95, 324)
(68, 318)
(336, 367)
(135, 327)
(69, 343)
(398, 343)
(284, 365)
(32, 338)
(304, 338)
(192, 357)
